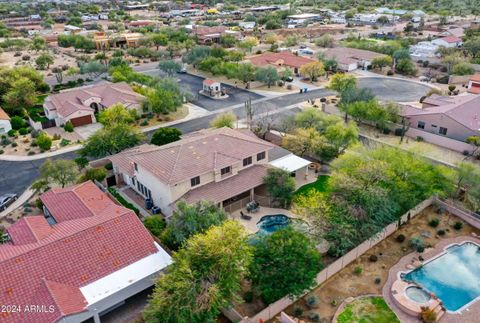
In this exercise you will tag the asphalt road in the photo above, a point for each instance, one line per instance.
(15, 177)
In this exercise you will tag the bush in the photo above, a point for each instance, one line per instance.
(1, 151)
(434, 223)
(358, 271)
(377, 280)
(428, 315)
(312, 301)
(95, 174)
(155, 224)
(57, 137)
(416, 242)
(389, 72)
(441, 232)
(81, 162)
(314, 317)
(43, 141)
(458, 225)
(298, 311)
(17, 122)
(373, 258)
(39, 203)
(398, 132)
(35, 133)
(452, 87)
(12, 133)
(400, 238)
(64, 142)
(68, 127)
(30, 153)
(23, 131)
(419, 139)
(420, 249)
(14, 144)
(248, 296)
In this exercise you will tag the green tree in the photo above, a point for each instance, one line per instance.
(111, 140)
(44, 141)
(468, 185)
(189, 220)
(93, 68)
(159, 39)
(381, 62)
(267, 75)
(285, 263)
(37, 44)
(248, 43)
(224, 120)
(116, 114)
(94, 174)
(463, 68)
(170, 67)
(342, 82)
(325, 41)
(196, 55)
(60, 172)
(204, 278)
(472, 46)
(400, 54)
(163, 136)
(155, 224)
(280, 185)
(406, 67)
(304, 142)
(313, 70)
(246, 72)
(21, 95)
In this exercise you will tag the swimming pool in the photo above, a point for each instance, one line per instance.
(271, 223)
(454, 277)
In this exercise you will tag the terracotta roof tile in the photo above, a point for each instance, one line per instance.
(279, 59)
(3, 115)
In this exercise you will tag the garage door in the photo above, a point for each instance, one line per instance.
(80, 121)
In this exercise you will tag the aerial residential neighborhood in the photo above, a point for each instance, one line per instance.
(239, 161)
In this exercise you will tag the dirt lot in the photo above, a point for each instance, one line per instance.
(348, 284)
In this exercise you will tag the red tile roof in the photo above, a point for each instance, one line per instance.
(475, 78)
(3, 115)
(48, 267)
(280, 59)
(451, 39)
(209, 82)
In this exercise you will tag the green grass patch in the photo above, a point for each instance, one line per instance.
(368, 310)
(321, 185)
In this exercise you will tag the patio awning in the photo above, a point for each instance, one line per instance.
(290, 163)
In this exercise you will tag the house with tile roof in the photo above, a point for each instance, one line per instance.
(448, 42)
(474, 84)
(446, 117)
(280, 60)
(350, 59)
(5, 125)
(220, 165)
(82, 259)
(79, 105)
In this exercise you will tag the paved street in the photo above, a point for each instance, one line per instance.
(15, 177)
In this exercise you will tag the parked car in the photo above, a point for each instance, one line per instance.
(6, 200)
(289, 79)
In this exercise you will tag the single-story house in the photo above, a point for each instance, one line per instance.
(474, 84)
(80, 260)
(448, 41)
(211, 87)
(211, 35)
(79, 105)
(280, 60)
(350, 59)
(220, 165)
(454, 117)
(5, 125)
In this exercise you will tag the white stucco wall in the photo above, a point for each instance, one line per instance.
(5, 126)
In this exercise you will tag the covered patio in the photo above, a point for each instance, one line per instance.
(298, 167)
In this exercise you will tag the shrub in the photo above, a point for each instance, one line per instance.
(434, 223)
(389, 72)
(23, 131)
(30, 153)
(35, 133)
(312, 301)
(95, 174)
(81, 162)
(297, 311)
(398, 132)
(458, 225)
(314, 317)
(64, 142)
(420, 249)
(416, 242)
(377, 280)
(1, 151)
(39, 203)
(452, 87)
(428, 315)
(43, 141)
(358, 271)
(419, 139)
(17, 122)
(12, 133)
(441, 232)
(248, 296)
(373, 258)
(334, 302)
(400, 238)
(56, 136)
(68, 127)
(144, 123)
(155, 224)
(14, 144)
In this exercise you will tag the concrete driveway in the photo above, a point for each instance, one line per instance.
(86, 131)
(391, 89)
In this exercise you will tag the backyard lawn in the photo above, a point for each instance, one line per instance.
(321, 185)
(366, 310)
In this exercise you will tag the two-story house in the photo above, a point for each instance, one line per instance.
(84, 258)
(220, 165)
(79, 105)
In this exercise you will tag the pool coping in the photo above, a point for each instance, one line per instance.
(425, 262)
(449, 317)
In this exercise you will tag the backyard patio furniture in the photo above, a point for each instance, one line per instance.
(244, 216)
(253, 207)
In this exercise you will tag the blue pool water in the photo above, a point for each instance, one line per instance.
(453, 277)
(271, 223)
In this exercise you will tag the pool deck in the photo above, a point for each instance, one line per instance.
(470, 313)
(251, 225)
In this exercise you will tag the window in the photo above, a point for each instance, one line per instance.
(434, 125)
(226, 170)
(195, 181)
(135, 166)
(261, 156)
(247, 161)
(443, 131)
(421, 125)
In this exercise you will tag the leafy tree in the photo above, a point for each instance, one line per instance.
(246, 72)
(406, 67)
(304, 142)
(37, 44)
(44, 141)
(325, 41)
(248, 43)
(468, 185)
(189, 220)
(267, 75)
(381, 62)
(111, 140)
(280, 185)
(170, 67)
(60, 172)
(383, 20)
(93, 68)
(94, 174)
(159, 101)
(204, 278)
(342, 82)
(163, 136)
(17, 122)
(21, 95)
(313, 70)
(155, 224)
(451, 60)
(159, 39)
(228, 41)
(472, 46)
(224, 120)
(463, 68)
(401, 54)
(116, 114)
(196, 55)
(284, 263)
(372, 111)
(286, 73)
